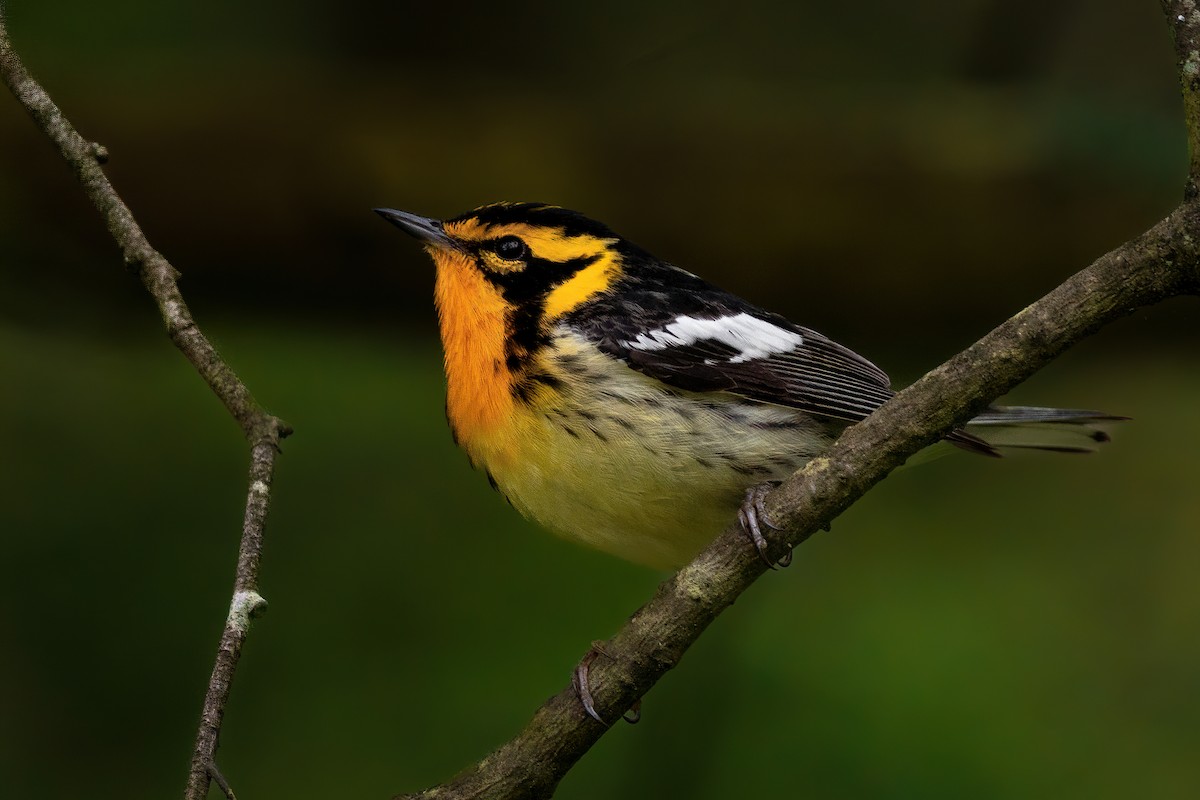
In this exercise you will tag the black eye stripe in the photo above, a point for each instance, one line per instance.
(526, 291)
(538, 278)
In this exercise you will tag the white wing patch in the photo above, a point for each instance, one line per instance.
(750, 336)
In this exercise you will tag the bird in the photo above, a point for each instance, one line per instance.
(627, 404)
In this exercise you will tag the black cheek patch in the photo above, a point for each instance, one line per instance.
(526, 292)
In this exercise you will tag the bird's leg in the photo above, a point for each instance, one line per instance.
(752, 514)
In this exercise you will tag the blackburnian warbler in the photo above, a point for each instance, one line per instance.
(623, 402)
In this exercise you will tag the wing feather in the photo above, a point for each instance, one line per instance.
(672, 326)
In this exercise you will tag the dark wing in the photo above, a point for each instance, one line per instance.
(741, 353)
(671, 325)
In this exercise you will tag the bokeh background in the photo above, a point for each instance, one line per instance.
(899, 176)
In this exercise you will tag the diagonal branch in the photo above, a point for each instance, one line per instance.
(1163, 262)
(262, 430)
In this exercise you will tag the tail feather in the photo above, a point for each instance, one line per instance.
(1058, 430)
(1009, 415)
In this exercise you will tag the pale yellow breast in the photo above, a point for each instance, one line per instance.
(620, 464)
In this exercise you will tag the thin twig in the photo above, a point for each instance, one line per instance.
(1163, 262)
(262, 430)
(221, 783)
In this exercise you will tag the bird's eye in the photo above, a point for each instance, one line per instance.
(511, 248)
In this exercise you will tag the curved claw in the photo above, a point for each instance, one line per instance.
(752, 514)
(579, 679)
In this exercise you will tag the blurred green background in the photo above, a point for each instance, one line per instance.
(899, 176)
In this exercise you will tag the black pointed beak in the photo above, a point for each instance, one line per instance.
(427, 230)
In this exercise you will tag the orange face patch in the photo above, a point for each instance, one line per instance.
(473, 320)
(486, 357)
(552, 245)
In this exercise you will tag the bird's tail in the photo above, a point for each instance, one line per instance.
(1060, 430)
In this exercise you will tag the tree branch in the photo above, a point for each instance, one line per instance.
(1163, 262)
(1183, 19)
(262, 430)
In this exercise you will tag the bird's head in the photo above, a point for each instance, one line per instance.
(525, 253)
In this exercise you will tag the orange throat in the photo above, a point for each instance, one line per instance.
(472, 316)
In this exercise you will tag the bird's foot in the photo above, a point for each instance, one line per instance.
(579, 680)
(752, 515)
